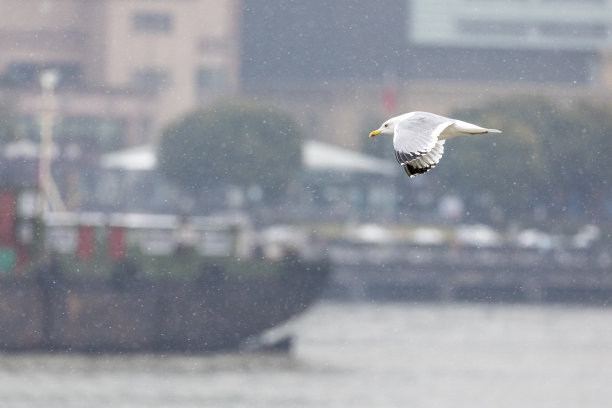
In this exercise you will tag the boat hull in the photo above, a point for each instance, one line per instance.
(154, 315)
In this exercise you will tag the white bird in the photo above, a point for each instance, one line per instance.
(418, 138)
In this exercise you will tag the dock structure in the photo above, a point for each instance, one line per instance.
(405, 272)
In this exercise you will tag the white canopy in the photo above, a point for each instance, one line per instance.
(135, 158)
(323, 156)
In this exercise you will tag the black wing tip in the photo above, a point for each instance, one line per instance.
(419, 166)
(412, 171)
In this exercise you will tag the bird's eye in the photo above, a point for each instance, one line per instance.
(386, 125)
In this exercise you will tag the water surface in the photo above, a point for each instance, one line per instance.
(353, 355)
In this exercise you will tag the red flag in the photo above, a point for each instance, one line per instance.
(389, 100)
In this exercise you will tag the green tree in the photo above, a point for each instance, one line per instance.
(232, 143)
(579, 153)
(548, 154)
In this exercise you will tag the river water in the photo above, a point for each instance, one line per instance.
(353, 355)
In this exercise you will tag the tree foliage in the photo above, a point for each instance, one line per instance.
(232, 143)
(548, 155)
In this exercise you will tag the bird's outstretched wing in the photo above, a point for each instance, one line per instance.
(416, 143)
(425, 162)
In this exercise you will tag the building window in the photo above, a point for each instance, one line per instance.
(498, 28)
(152, 22)
(211, 80)
(574, 30)
(21, 74)
(150, 79)
(28, 73)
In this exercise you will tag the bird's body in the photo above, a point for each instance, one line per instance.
(418, 138)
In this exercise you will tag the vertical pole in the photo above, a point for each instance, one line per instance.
(48, 82)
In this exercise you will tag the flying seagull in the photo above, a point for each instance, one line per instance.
(418, 138)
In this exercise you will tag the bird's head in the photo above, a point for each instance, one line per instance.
(388, 127)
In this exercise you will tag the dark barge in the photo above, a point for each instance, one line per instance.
(134, 282)
(94, 315)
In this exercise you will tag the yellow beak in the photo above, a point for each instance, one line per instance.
(374, 133)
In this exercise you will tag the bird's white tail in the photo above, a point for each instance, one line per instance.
(458, 128)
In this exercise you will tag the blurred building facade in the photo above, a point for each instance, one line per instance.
(126, 67)
(360, 61)
(513, 24)
(513, 40)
